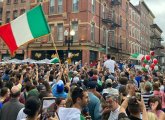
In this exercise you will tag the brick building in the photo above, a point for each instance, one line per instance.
(134, 29)
(146, 20)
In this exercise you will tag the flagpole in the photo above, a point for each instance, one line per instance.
(54, 45)
(52, 38)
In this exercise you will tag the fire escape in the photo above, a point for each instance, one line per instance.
(156, 41)
(110, 19)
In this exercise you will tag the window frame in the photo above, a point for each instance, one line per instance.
(52, 7)
(77, 5)
(92, 32)
(60, 33)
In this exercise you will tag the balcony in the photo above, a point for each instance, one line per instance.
(153, 26)
(156, 47)
(116, 48)
(154, 36)
(106, 18)
(115, 25)
(116, 2)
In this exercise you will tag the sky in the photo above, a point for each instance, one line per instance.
(158, 9)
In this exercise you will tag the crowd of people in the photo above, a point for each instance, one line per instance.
(107, 91)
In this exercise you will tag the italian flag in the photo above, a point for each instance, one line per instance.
(137, 56)
(25, 28)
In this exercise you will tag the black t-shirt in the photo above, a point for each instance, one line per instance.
(123, 116)
(133, 118)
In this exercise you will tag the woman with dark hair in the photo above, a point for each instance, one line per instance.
(156, 106)
(32, 107)
(4, 95)
(60, 102)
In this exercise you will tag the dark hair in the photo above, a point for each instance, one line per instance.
(43, 94)
(109, 85)
(146, 77)
(133, 106)
(123, 90)
(156, 86)
(58, 100)
(77, 93)
(51, 78)
(48, 87)
(9, 84)
(148, 88)
(4, 91)
(123, 80)
(18, 76)
(32, 105)
(7, 71)
(153, 99)
(108, 56)
(82, 76)
(113, 58)
(28, 86)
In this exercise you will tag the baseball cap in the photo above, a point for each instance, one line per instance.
(60, 86)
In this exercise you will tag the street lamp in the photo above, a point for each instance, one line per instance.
(69, 39)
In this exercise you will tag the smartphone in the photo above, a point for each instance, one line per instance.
(138, 96)
(48, 108)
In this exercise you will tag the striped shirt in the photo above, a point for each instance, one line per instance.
(146, 97)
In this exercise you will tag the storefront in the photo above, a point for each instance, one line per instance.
(49, 54)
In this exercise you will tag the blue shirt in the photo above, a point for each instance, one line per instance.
(94, 106)
(138, 79)
(1, 105)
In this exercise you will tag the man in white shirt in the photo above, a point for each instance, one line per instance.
(110, 64)
(113, 105)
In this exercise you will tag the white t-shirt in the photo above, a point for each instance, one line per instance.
(114, 114)
(21, 115)
(110, 64)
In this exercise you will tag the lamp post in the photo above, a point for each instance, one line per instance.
(69, 39)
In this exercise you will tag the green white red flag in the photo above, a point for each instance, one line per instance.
(25, 28)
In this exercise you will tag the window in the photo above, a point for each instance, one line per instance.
(120, 20)
(8, 2)
(7, 16)
(120, 42)
(75, 28)
(93, 6)
(22, 11)
(104, 36)
(60, 7)
(75, 5)
(15, 1)
(103, 12)
(113, 39)
(15, 14)
(1, 13)
(113, 16)
(51, 30)
(52, 6)
(60, 33)
(92, 32)
(22, 1)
